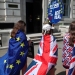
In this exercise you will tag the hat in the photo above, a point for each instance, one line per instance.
(46, 27)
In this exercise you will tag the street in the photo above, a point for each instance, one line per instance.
(59, 70)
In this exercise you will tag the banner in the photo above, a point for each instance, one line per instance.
(55, 11)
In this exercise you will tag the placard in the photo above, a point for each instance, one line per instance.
(55, 11)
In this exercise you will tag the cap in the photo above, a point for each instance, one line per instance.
(46, 27)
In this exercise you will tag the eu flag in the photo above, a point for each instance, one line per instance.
(55, 11)
(14, 60)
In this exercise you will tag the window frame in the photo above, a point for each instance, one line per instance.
(68, 10)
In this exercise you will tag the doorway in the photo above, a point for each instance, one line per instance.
(34, 16)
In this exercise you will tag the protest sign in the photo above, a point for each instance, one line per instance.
(55, 11)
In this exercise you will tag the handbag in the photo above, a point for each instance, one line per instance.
(31, 50)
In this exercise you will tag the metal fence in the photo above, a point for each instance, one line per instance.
(4, 37)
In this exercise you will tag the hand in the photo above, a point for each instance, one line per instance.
(29, 42)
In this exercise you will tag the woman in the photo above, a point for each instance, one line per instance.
(46, 57)
(14, 60)
(68, 44)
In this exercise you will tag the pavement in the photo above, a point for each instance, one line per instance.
(59, 70)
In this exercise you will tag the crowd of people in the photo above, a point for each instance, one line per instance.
(45, 60)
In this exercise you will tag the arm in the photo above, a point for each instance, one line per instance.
(66, 51)
(65, 47)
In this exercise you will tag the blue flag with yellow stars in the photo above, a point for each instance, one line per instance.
(15, 58)
(55, 11)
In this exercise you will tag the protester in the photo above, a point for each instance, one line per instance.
(72, 63)
(68, 44)
(14, 60)
(46, 58)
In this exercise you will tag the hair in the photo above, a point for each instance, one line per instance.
(72, 34)
(47, 32)
(50, 23)
(51, 26)
(20, 25)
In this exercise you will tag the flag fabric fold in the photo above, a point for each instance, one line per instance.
(72, 63)
(46, 57)
(14, 60)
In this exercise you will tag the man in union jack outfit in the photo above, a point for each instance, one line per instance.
(46, 58)
(72, 63)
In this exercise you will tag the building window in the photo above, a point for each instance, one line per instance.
(66, 7)
(12, 6)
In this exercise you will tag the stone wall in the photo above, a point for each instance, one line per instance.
(10, 10)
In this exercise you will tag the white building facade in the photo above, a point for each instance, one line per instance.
(9, 10)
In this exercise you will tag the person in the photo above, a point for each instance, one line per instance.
(72, 62)
(14, 60)
(68, 44)
(46, 58)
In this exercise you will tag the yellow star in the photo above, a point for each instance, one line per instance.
(10, 37)
(61, 12)
(7, 66)
(18, 62)
(18, 39)
(11, 66)
(22, 53)
(60, 5)
(5, 61)
(22, 45)
(61, 8)
(59, 2)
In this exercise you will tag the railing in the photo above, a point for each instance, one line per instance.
(4, 38)
(63, 29)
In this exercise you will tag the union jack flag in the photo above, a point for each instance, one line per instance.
(67, 51)
(45, 58)
(72, 63)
